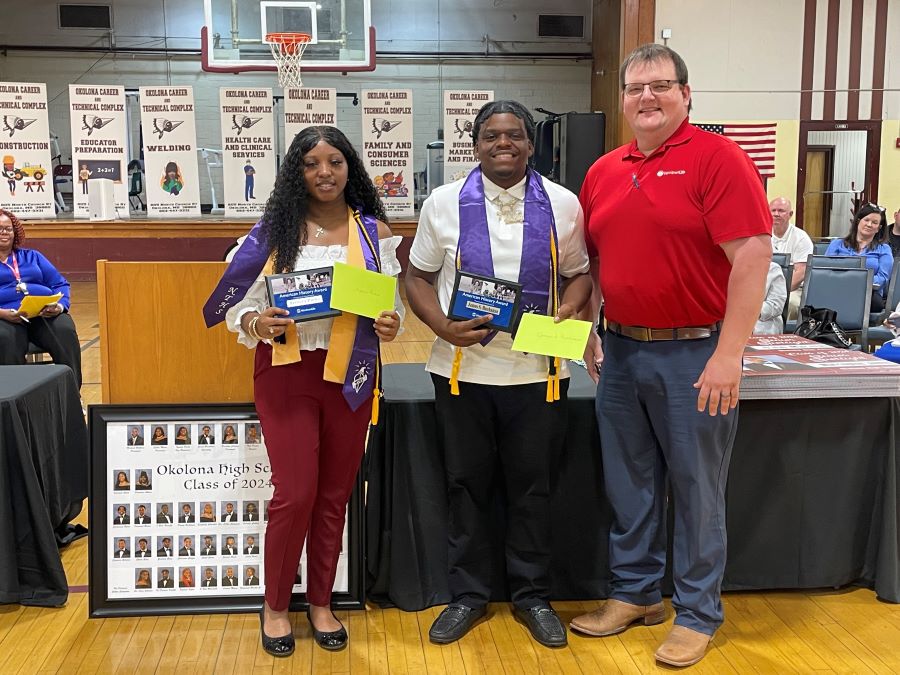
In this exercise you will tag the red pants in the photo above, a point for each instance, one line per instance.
(315, 443)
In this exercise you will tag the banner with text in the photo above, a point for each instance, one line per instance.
(307, 107)
(170, 152)
(460, 109)
(248, 143)
(25, 148)
(387, 132)
(97, 119)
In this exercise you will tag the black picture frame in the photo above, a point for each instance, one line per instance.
(103, 459)
(294, 300)
(461, 300)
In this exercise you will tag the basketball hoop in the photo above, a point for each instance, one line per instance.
(287, 52)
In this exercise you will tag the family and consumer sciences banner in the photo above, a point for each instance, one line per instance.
(387, 147)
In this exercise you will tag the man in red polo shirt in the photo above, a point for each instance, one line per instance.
(690, 204)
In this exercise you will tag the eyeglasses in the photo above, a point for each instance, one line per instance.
(657, 87)
(6, 230)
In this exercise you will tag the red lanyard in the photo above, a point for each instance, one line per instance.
(14, 268)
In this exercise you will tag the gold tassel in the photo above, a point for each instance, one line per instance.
(376, 394)
(556, 366)
(549, 388)
(454, 372)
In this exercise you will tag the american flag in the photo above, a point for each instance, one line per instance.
(757, 140)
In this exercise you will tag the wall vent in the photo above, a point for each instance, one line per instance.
(560, 26)
(85, 16)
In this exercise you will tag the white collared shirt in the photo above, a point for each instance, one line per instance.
(795, 241)
(434, 250)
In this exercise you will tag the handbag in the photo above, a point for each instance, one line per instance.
(820, 324)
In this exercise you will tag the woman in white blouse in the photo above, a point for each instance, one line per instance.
(314, 420)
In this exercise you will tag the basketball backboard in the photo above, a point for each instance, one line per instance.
(233, 35)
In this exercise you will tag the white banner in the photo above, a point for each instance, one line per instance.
(170, 152)
(248, 150)
(97, 119)
(25, 148)
(460, 109)
(308, 107)
(387, 132)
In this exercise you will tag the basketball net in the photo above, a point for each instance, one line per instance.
(287, 52)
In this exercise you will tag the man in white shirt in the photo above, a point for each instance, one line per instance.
(787, 238)
(502, 221)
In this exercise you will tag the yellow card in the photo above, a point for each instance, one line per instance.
(538, 334)
(33, 304)
(362, 292)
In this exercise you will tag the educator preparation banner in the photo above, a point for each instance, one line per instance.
(307, 107)
(25, 149)
(387, 133)
(248, 157)
(97, 119)
(170, 152)
(460, 109)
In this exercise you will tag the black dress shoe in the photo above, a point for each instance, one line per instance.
(276, 646)
(544, 625)
(333, 641)
(455, 621)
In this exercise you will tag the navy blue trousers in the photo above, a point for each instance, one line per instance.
(650, 430)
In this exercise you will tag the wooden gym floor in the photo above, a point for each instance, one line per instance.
(844, 631)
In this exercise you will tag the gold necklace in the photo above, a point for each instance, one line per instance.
(507, 212)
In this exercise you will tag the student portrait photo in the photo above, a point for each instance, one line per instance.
(144, 479)
(164, 547)
(208, 545)
(165, 579)
(185, 577)
(141, 515)
(208, 512)
(160, 435)
(121, 514)
(143, 550)
(186, 512)
(183, 435)
(266, 509)
(209, 578)
(229, 435)
(229, 515)
(164, 514)
(121, 479)
(229, 544)
(229, 579)
(251, 512)
(142, 578)
(251, 547)
(250, 578)
(135, 435)
(186, 548)
(251, 434)
(120, 548)
(206, 434)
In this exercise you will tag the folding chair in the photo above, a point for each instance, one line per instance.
(819, 247)
(845, 261)
(878, 334)
(783, 259)
(788, 271)
(847, 291)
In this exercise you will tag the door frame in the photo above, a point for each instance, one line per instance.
(873, 155)
(829, 181)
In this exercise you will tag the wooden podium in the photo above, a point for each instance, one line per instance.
(154, 344)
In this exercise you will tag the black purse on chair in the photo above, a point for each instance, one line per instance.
(820, 325)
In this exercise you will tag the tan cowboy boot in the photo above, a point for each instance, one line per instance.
(683, 647)
(614, 616)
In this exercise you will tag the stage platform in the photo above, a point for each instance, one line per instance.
(75, 245)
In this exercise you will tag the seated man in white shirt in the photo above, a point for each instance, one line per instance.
(787, 238)
(505, 222)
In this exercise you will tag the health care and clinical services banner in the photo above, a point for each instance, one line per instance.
(307, 107)
(25, 149)
(97, 119)
(387, 133)
(248, 157)
(170, 152)
(460, 109)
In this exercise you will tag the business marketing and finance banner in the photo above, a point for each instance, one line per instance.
(460, 109)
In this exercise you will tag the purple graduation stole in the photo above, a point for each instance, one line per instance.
(363, 370)
(538, 268)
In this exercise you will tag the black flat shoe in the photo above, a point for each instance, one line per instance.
(453, 622)
(543, 624)
(276, 646)
(334, 641)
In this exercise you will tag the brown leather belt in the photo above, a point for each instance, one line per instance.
(643, 334)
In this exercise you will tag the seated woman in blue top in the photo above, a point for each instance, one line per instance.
(866, 238)
(24, 272)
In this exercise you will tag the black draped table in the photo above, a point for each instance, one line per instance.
(812, 498)
(43, 479)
